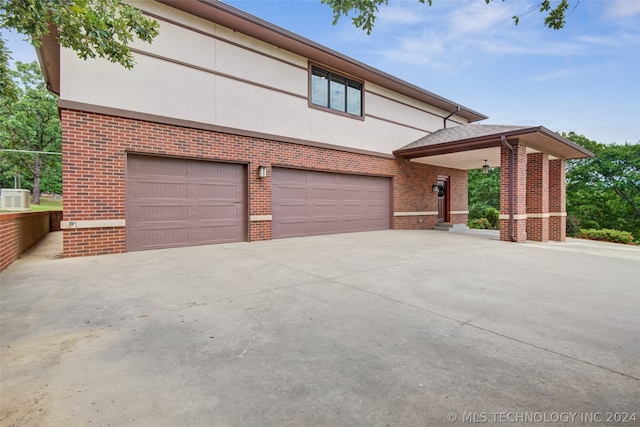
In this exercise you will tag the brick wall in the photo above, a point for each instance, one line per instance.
(520, 193)
(557, 200)
(19, 231)
(538, 197)
(95, 147)
(54, 220)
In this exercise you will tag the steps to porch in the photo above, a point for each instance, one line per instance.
(448, 226)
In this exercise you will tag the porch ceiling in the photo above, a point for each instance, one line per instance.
(468, 146)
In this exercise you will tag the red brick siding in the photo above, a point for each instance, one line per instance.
(520, 192)
(537, 196)
(54, 220)
(95, 146)
(19, 231)
(94, 241)
(557, 200)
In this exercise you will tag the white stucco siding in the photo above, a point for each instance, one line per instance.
(182, 45)
(401, 113)
(243, 106)
(260, 46)
(244, 64)
(385, 137)
(335, 129)
(154, 86)
(199, 71)
(376, 91)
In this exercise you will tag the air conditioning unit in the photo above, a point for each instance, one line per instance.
(15, 200)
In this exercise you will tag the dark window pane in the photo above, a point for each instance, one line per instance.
(320, 87)
(354, 98)
(338, 93)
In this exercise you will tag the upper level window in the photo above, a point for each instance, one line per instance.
(333, 91)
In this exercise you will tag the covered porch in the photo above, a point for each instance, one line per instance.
(532, 162)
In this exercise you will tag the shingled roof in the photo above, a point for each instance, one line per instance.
(472, 137)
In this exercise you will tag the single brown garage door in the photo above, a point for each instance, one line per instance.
(176, 202)
(307, 203)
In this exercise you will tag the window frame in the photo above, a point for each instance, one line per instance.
(347, 81)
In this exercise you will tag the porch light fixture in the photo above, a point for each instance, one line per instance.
(485, 168)
(435, 188)
(262, 171)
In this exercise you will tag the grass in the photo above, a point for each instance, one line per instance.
(48, 204)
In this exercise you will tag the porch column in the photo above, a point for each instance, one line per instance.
(519, 193)
(538, 197)
(557, 200)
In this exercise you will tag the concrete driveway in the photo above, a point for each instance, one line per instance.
(392, 328)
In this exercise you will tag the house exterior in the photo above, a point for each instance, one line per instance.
(232, 129)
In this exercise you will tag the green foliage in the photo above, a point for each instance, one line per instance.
(604, 191)
(91, 28)
(573, 226)
(480, 224)
(493, 216)
(8, 88)
(606, 235)
(363, 13)
(484, 197)
(30, 123)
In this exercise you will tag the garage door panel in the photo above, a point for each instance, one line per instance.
(166, 237)
(154, 189)
(195, 202)
(308, 203)
(207, 234)
(161, 166)
(216, 191)
(160, 213)
(222, 172)
(214, 212)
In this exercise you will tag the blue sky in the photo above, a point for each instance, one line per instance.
(584, 78)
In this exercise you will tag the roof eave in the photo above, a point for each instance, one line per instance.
(49, 58)
(218, 12)
(492, 140)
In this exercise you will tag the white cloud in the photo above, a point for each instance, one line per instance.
(398, 15)
(554, 75)
(622, 8)
(471, 31)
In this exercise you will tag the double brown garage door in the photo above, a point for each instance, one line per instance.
(306, 203)
(176, 202)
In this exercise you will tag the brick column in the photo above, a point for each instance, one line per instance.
(520, 193)
(538, 197)
(557, 200)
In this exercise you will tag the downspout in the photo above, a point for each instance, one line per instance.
(449, 116)
(511, 189)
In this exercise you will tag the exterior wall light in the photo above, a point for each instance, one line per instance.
(262, 171)
(435, 188)
(485, 168)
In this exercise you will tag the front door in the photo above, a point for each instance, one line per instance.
(443, 199)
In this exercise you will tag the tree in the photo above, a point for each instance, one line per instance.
(484, 195)
(30, 123)
(92, 28)
(364, 11)
(604, 191)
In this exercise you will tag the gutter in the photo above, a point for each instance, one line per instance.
(512, 227)
(449, 116)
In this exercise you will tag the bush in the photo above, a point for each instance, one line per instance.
(606, 235)
(573, 226)
(480, 224)
(476, 211)
(493, 216)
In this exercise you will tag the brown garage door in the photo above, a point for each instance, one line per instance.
(177, 202)
(306, 203)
